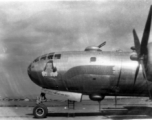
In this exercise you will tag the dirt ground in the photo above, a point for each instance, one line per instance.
(126, 108)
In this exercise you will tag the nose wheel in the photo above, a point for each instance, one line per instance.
(40, 111)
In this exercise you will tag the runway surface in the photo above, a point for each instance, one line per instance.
(127, 108)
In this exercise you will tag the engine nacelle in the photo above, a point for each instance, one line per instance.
(96, 97)
(134, 56)
(67, 95)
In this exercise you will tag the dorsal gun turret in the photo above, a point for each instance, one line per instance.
(95, 48)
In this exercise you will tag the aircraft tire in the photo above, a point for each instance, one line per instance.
(40, 111)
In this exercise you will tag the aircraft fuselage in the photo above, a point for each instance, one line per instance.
(105, 73)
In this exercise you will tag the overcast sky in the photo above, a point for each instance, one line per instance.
(30, 29)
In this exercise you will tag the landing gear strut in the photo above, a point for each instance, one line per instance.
(99, 105)
(40, 110)
(41, 99)
(97, 97)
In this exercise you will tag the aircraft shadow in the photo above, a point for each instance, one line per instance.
(129, 112)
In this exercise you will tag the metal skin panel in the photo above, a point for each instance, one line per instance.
(110, 74)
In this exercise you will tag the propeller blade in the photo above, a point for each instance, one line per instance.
(136, 73)
(136, 42)
(115, 100)
(142, 50)
(144, 42)
(143, 69)
(137, 49)
(102, 44)
(145, 77)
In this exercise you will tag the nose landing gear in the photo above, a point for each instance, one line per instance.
(40, 110)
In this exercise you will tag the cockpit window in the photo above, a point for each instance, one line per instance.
(92, 59)
(43, 58)
(50, 56)
(57, 56)
(36, 60)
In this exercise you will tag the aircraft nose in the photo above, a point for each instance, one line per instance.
(29, 68)
(29, 71)
(33, 73)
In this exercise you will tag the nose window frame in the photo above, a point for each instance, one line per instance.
(36, 60)
(57, 56)
(50, 56)
(43, 58)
